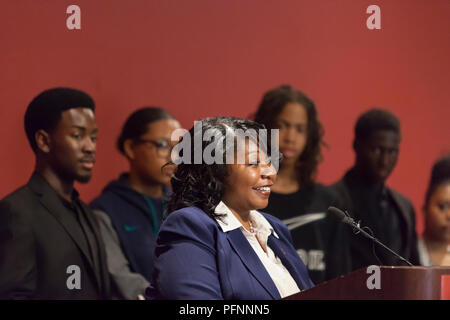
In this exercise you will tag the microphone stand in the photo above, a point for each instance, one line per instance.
(345, 217)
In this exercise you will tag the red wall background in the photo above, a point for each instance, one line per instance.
(201, 58)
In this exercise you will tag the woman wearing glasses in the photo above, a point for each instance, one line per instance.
(131, 208)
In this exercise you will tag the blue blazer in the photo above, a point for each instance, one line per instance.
(195, 259)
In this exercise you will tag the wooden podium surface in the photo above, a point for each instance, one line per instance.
(396, 283)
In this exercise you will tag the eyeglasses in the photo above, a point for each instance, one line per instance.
(163, 147)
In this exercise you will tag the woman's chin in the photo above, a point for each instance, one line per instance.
(260, 205)
(289, 160)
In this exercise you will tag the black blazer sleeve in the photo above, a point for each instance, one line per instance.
(17, 254)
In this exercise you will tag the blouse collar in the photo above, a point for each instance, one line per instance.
(228, 221)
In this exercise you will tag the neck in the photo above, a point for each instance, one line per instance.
(434, 244)
(367, 177)
(152, 190)
(287, 170)
(62, 186)
(242, 215)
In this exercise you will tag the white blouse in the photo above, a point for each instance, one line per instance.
(424, 257)
(283, 280)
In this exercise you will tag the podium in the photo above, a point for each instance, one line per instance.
(396, 283)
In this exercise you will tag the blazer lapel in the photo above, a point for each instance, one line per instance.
(104, 274)
(277, 247)
(49, 199)
(251, 260)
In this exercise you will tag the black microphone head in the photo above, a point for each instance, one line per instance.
(338, 213)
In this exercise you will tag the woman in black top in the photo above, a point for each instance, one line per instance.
(434, 244)
(296, 198)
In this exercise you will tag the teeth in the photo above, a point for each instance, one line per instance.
(267, 189)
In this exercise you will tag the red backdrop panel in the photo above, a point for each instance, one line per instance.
(208, 58)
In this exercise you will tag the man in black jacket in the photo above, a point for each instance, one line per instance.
(50, 246)
(363, 193)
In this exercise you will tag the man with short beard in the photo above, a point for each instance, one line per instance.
(50, 247)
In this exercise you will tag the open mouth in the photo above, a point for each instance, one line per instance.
(266, 189)
(287, 153)
(263, 191)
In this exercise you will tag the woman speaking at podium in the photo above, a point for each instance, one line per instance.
(215, 244)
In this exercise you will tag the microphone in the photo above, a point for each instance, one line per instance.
(345, 218)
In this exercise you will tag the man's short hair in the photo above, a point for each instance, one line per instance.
(375, 120)
(44, 111)
(137, 124)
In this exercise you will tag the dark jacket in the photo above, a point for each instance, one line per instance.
(197, 260)
(40, 240)
(362, 250)
(133, 220)
(319, 238)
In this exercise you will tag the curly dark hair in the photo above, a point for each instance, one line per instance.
(440, 174)
(203, 185)
(271, 106)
